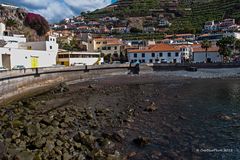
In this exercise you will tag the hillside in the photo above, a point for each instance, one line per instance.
(185, 15)
(20, 21)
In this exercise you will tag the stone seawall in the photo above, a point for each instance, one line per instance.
(22, 83)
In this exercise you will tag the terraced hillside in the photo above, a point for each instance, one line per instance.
(185, 15)
(201, 12)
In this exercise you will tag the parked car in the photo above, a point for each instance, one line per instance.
(116, 62)
(79, 64)
(3, 69)
(18, 67)
(163, 61)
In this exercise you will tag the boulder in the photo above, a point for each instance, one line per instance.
(25, 155)
(141, 141)
(152, 107)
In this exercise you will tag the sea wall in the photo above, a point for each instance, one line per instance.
(21, 83)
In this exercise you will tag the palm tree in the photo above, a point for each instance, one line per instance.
(205, 45)
(225, 46)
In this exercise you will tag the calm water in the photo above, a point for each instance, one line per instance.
(196, 119)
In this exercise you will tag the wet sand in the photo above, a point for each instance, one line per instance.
(126, 117)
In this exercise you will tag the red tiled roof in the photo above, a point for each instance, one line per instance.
(156, 48)
(198, 48)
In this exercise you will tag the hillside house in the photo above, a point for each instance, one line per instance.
(155, 54)
(107, 46)
(17, 51)
(199, 54)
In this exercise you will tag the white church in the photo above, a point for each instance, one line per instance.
(15, 50)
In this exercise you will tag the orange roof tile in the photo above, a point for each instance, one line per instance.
(198, 48)
(156, 48)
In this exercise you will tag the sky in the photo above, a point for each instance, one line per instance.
(56, 10)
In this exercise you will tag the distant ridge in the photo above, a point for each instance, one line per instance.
(183, 14)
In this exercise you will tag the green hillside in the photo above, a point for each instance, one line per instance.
(185, 15)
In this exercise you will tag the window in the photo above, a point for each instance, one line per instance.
(98, 42)
(90, 42)
(131, 61)
(176, 54)
(143, 61)
(50, 47)
(115, 47)
(169, 54)
(143, 54)
(105, 42)
(160, 54)
(153, 54)
(135, 55)
(109, 48)
(104, 48)
(150, 61)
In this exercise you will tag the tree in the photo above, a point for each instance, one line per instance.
(135, 30)
(225, 45)
(205, 45)
(237, 45)
(37, 22)
(11, 23)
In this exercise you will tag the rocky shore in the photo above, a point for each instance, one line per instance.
(123, 117)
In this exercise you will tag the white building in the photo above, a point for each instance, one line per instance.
(29, 54)
(199, 55)
(72, 58)
(232, 34)
(156, 54)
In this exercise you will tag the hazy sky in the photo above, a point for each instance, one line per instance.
(55, 10)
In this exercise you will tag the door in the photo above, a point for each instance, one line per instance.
(34, 62)
(6, 61)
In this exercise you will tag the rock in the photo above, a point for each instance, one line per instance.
(118, 136)
(182, 117)
(132, 154)
(49, 146)
(25, 155)
(8, 134)
(33, 130)
(89, 116)
(155, 155)
(141, 141)
(63, 125)
(46, 121)
(61, 88)
(37, 156)
(90, 86)
(58, 150)
(115, 156)
(16, 124)
(66, 156)
(80, 156)
(59, 143)
(103, 142)
(226, 118)
(172, 155)
(77, 145)
(151, 108)
(2, 150)
(99, 154)
(39, 142)
(55, 123)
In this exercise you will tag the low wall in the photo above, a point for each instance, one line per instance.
(21, 83)
(174, 67)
